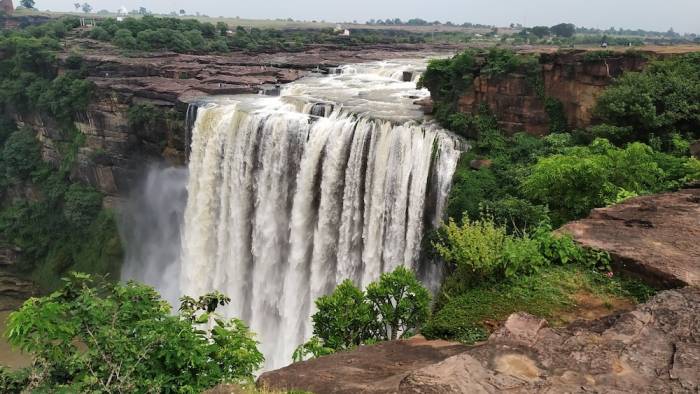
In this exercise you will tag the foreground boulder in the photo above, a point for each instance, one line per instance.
(653, 349)
(656, 237)
(369, 369)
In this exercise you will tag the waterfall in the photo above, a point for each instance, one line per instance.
(285, 201)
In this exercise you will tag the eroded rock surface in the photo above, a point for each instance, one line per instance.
(653, 349)
(571, 78)
(656, 237)
(369, 369)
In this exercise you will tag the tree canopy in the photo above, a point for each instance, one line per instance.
(95, 336)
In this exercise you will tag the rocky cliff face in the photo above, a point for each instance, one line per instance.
(6, 7)
(574, 79)
(116, 149)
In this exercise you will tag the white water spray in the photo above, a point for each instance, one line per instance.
(284, 205)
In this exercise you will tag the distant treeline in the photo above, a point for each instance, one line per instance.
(189, 35)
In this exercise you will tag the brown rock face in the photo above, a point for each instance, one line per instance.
(653, 349)
(656, 237)
(568, 77)
(116, 152)
(369, 369)
(7, 7)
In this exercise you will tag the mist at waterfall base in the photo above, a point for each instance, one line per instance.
(285, 197)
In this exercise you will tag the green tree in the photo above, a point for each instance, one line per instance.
(81, 205)
(399, 301)
(89, 337)
(582, 178)
(21, 154)
(345, 319)
(540, 31)
(124, 39)
(662, 99)
(564, 30)
(27, 3)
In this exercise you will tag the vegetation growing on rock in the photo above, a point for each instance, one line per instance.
(395, 305)
(57, 224)
(498, 245)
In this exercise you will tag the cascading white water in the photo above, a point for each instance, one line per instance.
(284, 205)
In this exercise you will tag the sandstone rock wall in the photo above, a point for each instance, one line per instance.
(115, 153)
(572, 78)
(6, 7)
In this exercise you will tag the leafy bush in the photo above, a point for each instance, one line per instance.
(662, 99)
(395, 304)
(481, 250)
(400, 302)
(345, 318)
(125, 39)
(21, 155)
(501, 61)
(123, 338)
(98, 33)
(582, 178)
(81, 205)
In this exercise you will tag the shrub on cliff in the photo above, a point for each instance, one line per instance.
(89, 337)
(21, 155)
(124, 39)
(662, 99)
(396, 304)
(582, 178)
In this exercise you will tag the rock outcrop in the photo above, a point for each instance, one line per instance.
(656, 237)
(369, 369)
(653, 349)
(6, 7)
(572, 79)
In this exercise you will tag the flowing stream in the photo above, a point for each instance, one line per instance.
(287, 196)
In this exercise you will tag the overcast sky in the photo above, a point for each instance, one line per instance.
(682, 15)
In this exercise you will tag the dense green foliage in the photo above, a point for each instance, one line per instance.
(28, 73)
(190, 35)
(345, 318)
(123, 338)
(662, 100)
(57, 225)
(481, 250)
(498, 246)
(581, 178)
(63, 227)
(396, 304)
(399, 301)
